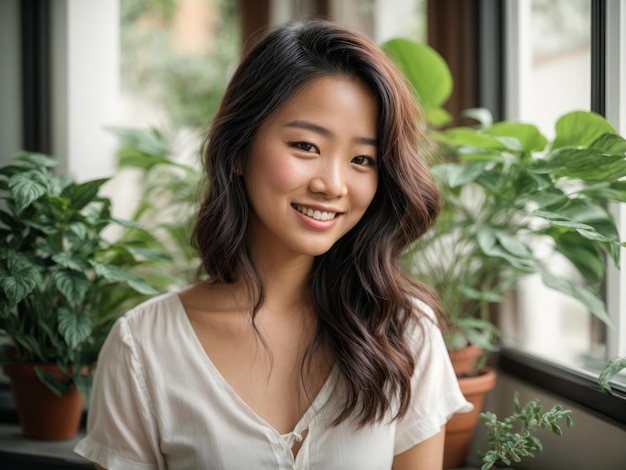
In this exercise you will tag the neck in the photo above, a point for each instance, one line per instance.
(286, 283)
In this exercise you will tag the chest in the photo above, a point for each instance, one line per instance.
(213, 429)
(264, 368)
(202, 420)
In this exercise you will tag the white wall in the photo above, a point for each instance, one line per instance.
(85, 85)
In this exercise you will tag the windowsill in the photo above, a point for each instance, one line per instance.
(567, 383)
(18, 452)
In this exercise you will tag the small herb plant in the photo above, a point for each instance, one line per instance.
(513, 437)
(610, 370)
(62, 281)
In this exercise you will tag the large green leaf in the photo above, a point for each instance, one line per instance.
(527, 134)
(424, 68)
(75, 326)
(583, 254)
(115, 274)
(582, 210)
(580, 128)
(82, 194)
(141, 286)
(436, 117)
(589, 219)
(606, 191)
(587, 164)
(72, 284)
(16, 288)
(36, 160)
(148, 253)
(549, 197)
(26, 188)
(18, 276)
(515, 252)
(610, 143)
(69, 260)
(469, 137)
(513, 245)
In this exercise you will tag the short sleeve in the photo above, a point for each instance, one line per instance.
(121, 430)
(436, 395)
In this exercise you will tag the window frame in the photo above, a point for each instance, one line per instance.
(608, 92)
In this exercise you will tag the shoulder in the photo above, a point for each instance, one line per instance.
(154, 309)
(153, 318)
(422, 309)
(166, 302)
(423, 322)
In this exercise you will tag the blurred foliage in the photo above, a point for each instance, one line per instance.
(187, 84)
(182, 69)
(169, 189)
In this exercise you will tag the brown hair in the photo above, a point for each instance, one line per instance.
(363, 298)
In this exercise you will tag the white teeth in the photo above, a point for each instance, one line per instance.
(315, 214)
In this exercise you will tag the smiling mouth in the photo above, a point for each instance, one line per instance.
(315, 214)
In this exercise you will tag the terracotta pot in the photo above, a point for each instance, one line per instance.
(460, 429)
(464, 359)
(42, 414)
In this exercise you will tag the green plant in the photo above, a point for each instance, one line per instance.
(509, 193)
(62, 281)
(514, 437)
(168, 196)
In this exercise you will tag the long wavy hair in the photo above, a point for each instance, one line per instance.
(365, 302)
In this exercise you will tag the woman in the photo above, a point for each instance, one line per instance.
(306, 345)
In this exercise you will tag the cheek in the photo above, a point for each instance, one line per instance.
(365, 191)
(270, 169)
(284, 174)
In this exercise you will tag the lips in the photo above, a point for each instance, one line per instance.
(315, 213)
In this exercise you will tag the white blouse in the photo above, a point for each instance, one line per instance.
(158, 402)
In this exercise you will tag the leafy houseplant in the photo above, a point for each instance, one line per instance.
(507, 191)
(508, 195)
(62, 282)
(514, 437)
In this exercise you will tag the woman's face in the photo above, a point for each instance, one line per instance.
(312, 170)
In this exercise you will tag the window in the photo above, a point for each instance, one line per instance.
(554, 66)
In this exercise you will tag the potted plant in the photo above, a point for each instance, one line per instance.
(62, 284)
(507, 191)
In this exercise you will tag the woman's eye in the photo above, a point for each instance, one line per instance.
(364, 160)
(305, 146)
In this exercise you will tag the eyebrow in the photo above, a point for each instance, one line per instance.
(301, 124)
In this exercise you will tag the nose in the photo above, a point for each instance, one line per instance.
(330, 180)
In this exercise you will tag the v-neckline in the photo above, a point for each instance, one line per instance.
(304, 421)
